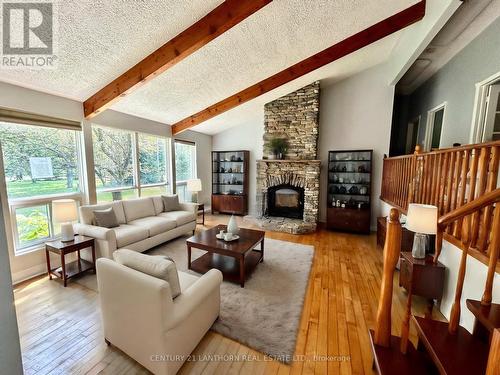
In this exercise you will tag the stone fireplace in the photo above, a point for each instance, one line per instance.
(288, 190)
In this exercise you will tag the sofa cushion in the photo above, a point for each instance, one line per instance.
(171, 203)
(87, 212)
(154, 224)
(180, 217)
(106, 218)
(138, 208)
(127, 234)
(154, 266)
(158, 203)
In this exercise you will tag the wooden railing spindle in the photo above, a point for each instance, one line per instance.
(493, 256)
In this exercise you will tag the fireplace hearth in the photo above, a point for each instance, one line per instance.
(285, 200)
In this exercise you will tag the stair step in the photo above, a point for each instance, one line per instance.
(488, 316)
(460, 353)
(390, 361)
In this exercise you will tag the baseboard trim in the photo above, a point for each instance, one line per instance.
(28, 273)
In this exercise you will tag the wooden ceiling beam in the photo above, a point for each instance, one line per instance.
(351, 44)
(215, 23)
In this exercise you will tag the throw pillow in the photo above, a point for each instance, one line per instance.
(171, 203)
(155, 266)
(106, 218)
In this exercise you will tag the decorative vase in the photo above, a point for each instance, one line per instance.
(232, 226)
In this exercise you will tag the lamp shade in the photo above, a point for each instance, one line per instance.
(422, 218)
(64, 210)
(194, 185)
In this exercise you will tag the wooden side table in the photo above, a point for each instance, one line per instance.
(67, 271)
(201, 208)
(422, 277)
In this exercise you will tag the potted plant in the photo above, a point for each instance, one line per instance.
(279, 147)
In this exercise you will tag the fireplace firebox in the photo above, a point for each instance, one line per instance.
(285, 201)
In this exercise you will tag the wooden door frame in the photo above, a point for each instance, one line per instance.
(480, 106)
(429, 127)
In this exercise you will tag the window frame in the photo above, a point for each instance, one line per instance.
(183, 183)
(195, 169)
(136, 168)
(12, 204)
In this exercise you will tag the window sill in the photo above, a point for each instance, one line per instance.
(31, 249)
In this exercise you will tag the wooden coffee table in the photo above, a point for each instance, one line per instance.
(236, 260)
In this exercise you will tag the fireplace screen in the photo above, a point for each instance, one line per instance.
(286, 201)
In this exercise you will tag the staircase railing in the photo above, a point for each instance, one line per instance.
(382, 338)
(448, 179)
(467, 215)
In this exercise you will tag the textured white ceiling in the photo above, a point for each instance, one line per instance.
(98, 40)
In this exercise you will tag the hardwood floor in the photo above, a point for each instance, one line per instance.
(61, 333)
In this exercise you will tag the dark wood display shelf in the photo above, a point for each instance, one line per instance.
(222, 200)
(349, 218)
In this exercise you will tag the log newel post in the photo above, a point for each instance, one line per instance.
(392, 250)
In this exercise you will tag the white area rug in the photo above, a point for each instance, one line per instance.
(265, 315)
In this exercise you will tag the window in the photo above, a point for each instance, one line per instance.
(435, 120)
(128, 164)
(40, 164)
(185, 167)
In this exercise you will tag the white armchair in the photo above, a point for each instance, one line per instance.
(141, 318)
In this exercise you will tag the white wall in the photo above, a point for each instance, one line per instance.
(245, 137)
(10, 351)
(475, 278)
(356, 113)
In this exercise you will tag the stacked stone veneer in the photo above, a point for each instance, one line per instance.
(295, 117)
(303, 174)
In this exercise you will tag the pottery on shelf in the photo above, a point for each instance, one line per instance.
(232, 226)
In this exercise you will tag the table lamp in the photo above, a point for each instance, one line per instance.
(421, 219)
(194, 186)
(64, 212)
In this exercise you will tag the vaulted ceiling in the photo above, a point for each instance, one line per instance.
(99, 40)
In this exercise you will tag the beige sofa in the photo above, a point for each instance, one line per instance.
(143, 225)
(142, 319)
